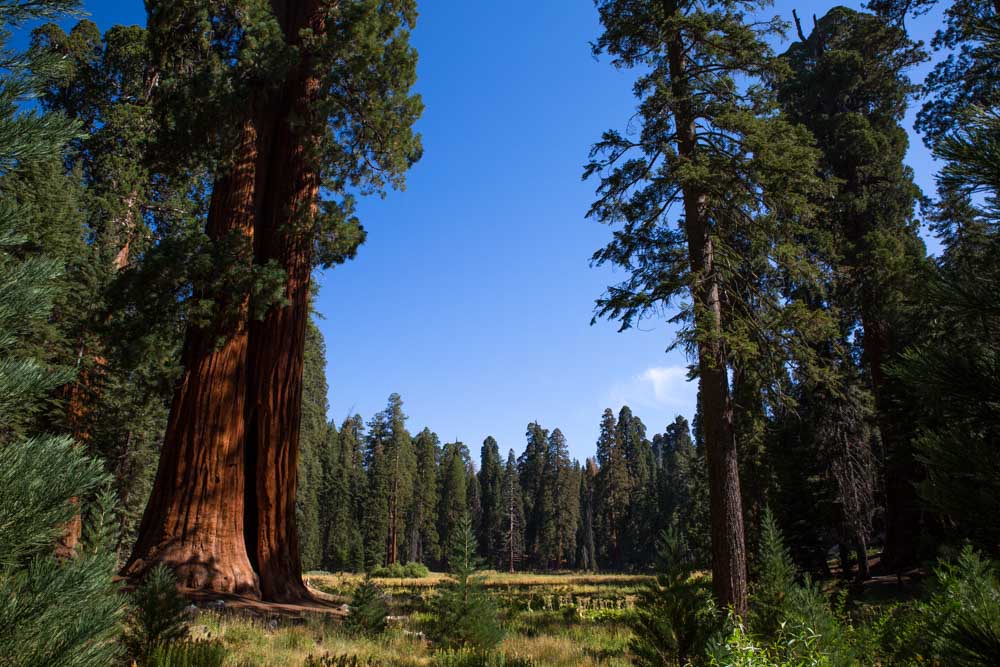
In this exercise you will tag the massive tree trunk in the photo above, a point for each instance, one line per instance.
(902, 510)
(288, 185)
(729, 569)
(194, 520)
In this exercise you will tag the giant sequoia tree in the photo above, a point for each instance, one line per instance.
(297, 97)
(848, 85)
(706, 142)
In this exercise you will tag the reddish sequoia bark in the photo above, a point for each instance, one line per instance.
(288, 185)
(194, 520)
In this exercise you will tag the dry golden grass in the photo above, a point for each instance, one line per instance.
(343, 580)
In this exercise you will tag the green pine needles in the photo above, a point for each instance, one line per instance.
(368, 614)
(465, 615)
(676, 615)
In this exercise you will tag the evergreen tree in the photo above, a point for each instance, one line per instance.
(453, 496)
(512, 515)
(284, 104)
(953, 371)
(586, 541)
(490, 482)
(424, 545)
(613, 488)
(560, 504)
(640, 514)
(52, 612)
(848, 85)
(402, 463)
(465, 615)
(347, 494)
(531, 467)
(313, 441)
(706, 140)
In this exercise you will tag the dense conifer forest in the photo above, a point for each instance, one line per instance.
(173, 491)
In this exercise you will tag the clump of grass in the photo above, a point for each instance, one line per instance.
(197, 653)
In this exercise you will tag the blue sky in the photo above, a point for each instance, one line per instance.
(473, 295)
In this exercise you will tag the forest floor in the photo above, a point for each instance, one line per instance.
(558, 620)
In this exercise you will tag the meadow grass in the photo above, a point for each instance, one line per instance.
(566, 635)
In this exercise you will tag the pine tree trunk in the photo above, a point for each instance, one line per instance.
(729, 569)
(193, 522)
(288, 185)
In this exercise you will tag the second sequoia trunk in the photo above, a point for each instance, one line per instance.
(287, 187)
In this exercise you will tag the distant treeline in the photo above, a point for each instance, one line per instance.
(373, 494)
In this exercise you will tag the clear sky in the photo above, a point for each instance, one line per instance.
(473, 295)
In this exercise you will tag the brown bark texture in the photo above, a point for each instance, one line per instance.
(287, 189)
(902, 472)
(194, 520)
(729, 568)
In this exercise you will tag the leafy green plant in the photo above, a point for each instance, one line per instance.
(157, 615)
(368, 611)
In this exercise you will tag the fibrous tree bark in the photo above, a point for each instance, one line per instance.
(729, 570)
(194, 520)
(287, 190)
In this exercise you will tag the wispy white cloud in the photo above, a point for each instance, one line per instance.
(663, 389)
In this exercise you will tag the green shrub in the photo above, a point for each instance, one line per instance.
(416, 570)
(739, 649)
(775, 580)
(399, 571)
(368, 611)
(675, 616)
(465, 615)
(157, 615)
(963, 614)
(201, 653)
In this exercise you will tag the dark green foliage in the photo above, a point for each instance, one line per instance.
(55, 612)
(955, 370)
(490, 492)
(465, 615)
(313, 440)
(676, 616)
(368, 611)
(963, 618)
(198, 653)
(344, 497)
(157, 615)
(782, 608)
(390, 462)
(512, 507)
(422, 535)
(452, 496)
(51, 612)
(531, 469)
(774, 580)
(400, 571)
